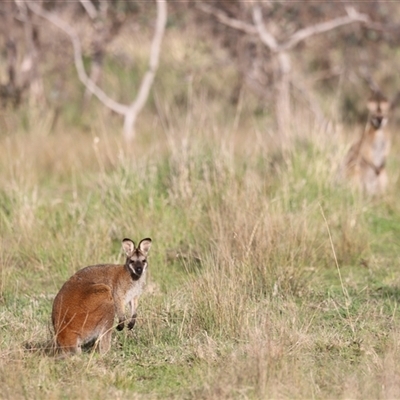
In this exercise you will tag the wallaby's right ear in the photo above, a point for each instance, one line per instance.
(129, 246)
(144, 246)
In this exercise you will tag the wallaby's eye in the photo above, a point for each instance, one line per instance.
(144, 261)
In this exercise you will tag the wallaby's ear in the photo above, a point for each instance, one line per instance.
(128, 246)
(144, 246)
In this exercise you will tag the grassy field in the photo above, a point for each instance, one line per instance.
(268, 278)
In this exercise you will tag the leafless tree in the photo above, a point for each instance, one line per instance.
(129, 112)
(281, 51)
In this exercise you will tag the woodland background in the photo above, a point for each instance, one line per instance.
(219, 137)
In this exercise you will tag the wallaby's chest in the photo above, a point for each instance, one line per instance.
(379, 148)
(135, 289)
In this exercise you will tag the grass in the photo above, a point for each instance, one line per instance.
(246, 299)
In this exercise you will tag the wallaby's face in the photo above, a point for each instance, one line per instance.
(136, 260)
(378, 107)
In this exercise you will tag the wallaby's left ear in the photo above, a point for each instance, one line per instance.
(144, 246)
(128, 246)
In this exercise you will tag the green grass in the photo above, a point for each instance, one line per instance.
(240, 261)
(268, 278)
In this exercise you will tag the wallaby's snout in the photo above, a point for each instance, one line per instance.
(138, 267)
(377, 121)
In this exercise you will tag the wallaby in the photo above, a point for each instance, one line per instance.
(85, 307)
(366, 160)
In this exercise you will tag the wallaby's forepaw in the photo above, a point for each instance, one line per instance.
(131, 324)
(120, 326)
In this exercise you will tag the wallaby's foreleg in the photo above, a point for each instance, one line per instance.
(119, 310)
(133, 305)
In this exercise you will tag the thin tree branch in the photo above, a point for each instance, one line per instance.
(264, 35)
(224, 19)
(268, 39)
(352, 16)
(90, 8)
(83, 77)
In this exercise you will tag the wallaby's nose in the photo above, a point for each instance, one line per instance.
(139, 270)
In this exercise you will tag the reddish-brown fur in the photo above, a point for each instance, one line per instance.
(85, 307)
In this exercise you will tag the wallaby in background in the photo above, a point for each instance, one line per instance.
(366, 160)
(85, 307)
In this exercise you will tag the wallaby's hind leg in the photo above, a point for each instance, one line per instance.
(105, 341)
(105, 336)
(104, 315)
(69, 343)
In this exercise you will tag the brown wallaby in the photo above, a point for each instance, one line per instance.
(366, 160)
(85, 307)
